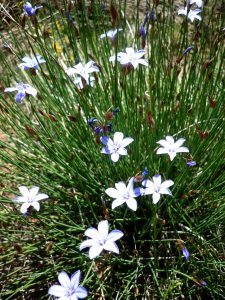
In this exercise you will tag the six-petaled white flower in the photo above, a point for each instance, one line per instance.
(101, 240)
(31, 63)
(156, 187)
(123, 194)
(83, 71)
(199, 3)
(170, 147)
(130, 58)
(115, 147)
(29, 198)
(22, 89)
(111, 34)
(192, 14)
(69, 288)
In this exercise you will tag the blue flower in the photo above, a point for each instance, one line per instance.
(185, 252)
(156, 188)
(191, 14)
(29, 10)
(142, 31)
(187, 50)
(115, 147)
(22, 89)
(124, 194)
(31, 63)
(191, 163)
(116, 110)
(101, 239)
(69, 288)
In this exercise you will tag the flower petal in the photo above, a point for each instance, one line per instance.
(113, 193)
(111, 246)
(165, 191)
(41, 197)
(132, 204)
(24, 191)
(114, 235)
(118, 138)
(35, 205)
(157, 180)
(19, 96)
(126, 141)
(172, 155)
(103, 229)
(30, 90)
(121, 187)
(148, 184)
(122, 151)
(163, 143)
(115, 157)
(117, 202)
(75, 279)
(81, 292)
(95, 250)
(170, 139)
(64, 279)
(178, 143)
(182, 149)
(87, 243)
(10, 89)
(57, 290)
(105, 140)
(92, 233)
(155, 197)
(142, 62)
(33, 191)
(24, 207)
(167, 183)
(162, 151)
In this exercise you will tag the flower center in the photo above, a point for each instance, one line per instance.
(70, 292)
(116, 147)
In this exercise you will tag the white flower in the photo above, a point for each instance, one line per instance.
(79, 83)
(23, 89)
(101, 239)
(31, 63)
(83, 71)
(110, 34)
(115, 147)
(123, 194)
(69, 288)
(156, 187)
(29, 198)
(199, 3)
(130, 57)
(192, 14)
(171, 147)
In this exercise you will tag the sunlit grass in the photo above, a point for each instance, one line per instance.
(48, 143)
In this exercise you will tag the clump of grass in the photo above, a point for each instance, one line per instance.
(50, 144)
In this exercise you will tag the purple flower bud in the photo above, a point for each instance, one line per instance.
(98, 130)
(147, 17)
(185, 252)
(145, 172)
(203, 283)
(142, 31)
(188, 50)
(191, 163)
(109, 127)
(91, 121)
(115, 111)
